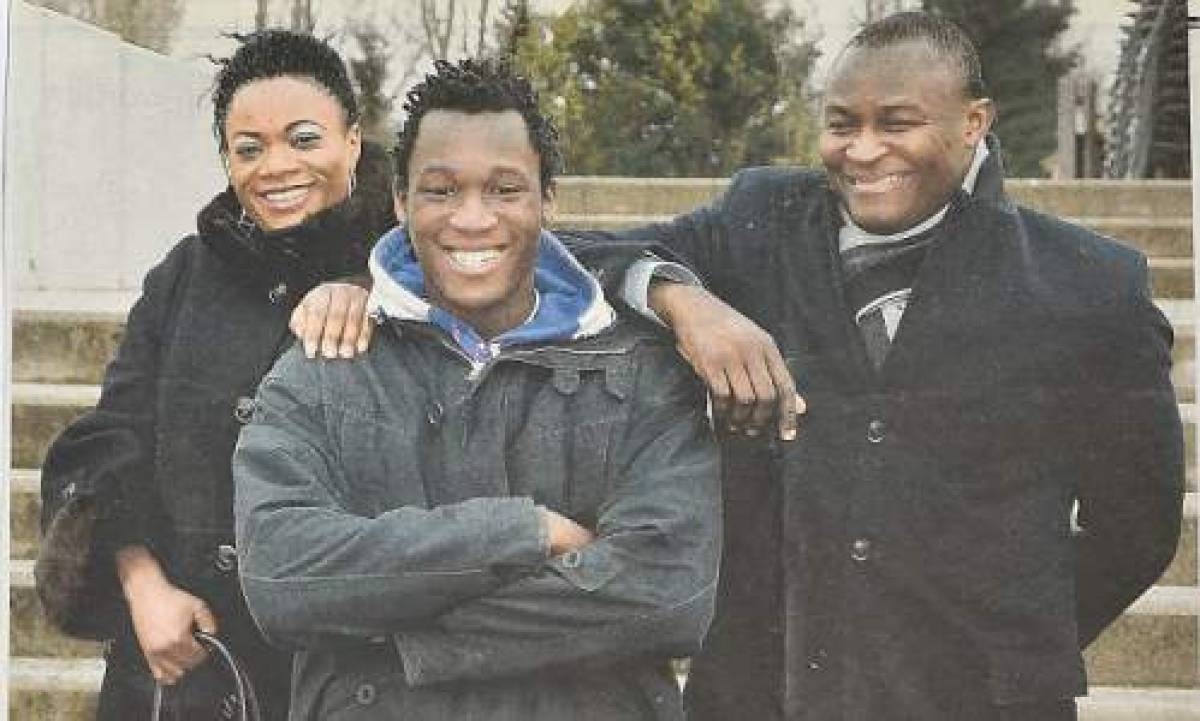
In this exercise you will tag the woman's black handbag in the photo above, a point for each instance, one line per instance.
(66, 573)
(242, 704)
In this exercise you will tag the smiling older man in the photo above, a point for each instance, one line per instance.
(973, 371)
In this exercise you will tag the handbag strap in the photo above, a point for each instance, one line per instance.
(247, 699)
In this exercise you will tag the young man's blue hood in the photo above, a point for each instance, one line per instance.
(570, 303)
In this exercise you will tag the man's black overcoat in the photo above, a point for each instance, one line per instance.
(912, 555)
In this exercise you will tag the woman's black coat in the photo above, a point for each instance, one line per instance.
(911, 555)
(154, 455)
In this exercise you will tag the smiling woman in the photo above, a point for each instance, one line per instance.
(291, 151)
(152, 461)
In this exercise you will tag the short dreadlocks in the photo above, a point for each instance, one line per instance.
(477, 86)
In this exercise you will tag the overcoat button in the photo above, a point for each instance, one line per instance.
(278, 293)
(876, 430)
(225, 559)
(860, 550)
(365, 694)
(572, 559)
(243, 409)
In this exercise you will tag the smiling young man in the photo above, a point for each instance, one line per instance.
(510, 513)
(973, 371)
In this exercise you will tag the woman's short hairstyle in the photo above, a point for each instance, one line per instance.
(476, 86)
(278, 53)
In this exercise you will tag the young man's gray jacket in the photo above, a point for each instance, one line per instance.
(387, 527)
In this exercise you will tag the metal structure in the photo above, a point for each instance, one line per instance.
(1148, 133)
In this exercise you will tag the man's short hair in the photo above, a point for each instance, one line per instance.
(477, 85)
(943, 36)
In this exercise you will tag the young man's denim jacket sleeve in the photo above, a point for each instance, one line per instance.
(441, 583)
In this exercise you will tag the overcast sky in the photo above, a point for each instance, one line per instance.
(1094, 28)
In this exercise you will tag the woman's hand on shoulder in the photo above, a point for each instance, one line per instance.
(332, 319)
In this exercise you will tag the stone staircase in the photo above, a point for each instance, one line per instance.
(1146, 667)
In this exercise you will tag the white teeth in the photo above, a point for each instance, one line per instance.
(474, 258)
(881, 184)
(285, 197)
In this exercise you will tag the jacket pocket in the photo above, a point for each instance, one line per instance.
(589, 568)
(364, 682)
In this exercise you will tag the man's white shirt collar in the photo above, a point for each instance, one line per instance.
(852, 236)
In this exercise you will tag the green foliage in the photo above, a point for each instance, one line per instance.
(668, 88)
(1021, 66)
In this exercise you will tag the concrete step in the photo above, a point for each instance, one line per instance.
(64, 346)
(1156, 237)
(1183, 570)
(65, 690)
(68, 346)
(1109, 703)
(1152, 644)
(1171, 275)
(582, 195)
(1187, 411)
(30, 633)
(1169, 237)
(49, 689)
(24, 502)
(24, 505)
(1112, 198)
(1172, 278)
(24, 508)
(40, 412)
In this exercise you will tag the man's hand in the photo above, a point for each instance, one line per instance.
(163, 616)
(747, 377)
(333, 318)
(565, 534)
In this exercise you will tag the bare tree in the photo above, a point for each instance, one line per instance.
(878, 9)
(260, 14)
(481, 46)
(369, 71)
(438, 28)
(514, 24)
(302, 16)
(443, 20)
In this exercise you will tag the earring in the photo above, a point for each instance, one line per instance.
(352, 182)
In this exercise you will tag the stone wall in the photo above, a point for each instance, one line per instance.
(108, 154)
